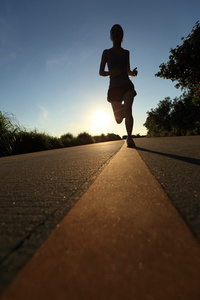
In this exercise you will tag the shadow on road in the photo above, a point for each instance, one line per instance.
(190, 160)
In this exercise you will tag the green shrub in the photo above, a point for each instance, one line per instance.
(30, 142)
(84, 139)
(68, 140)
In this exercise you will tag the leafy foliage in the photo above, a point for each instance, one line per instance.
(68, 140)
(34, 141)
(196, 95)
(184, 62)
(174, 117)
(84, 138)
(180, 116)
(106, 138)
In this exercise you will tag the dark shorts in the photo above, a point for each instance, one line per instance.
(116, 94)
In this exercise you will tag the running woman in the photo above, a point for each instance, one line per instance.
(121, 90)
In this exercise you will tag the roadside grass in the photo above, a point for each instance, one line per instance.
(17, 140)
(8, 131)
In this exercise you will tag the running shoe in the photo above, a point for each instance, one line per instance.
(130, 143)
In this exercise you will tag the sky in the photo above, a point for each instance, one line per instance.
(50, 52)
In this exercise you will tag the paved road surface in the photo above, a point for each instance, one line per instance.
(123, 239)
(175, 162)
(36, 191)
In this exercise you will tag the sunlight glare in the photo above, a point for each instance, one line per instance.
(101, 120)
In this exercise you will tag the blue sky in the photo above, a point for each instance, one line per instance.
(50, 52)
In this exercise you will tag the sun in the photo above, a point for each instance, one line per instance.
(101, 120)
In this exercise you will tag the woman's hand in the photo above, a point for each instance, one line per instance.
(134, 72)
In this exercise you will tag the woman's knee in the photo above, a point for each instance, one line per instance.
(118, 110)
(119, 118)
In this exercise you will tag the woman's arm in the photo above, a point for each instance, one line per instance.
(131, 73)
(104, 60)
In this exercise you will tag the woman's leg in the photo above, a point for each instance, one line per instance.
(128, 102)
(118, 110)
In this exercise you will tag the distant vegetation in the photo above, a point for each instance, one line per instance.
(174, 118)
(17, 140)
(180, 116)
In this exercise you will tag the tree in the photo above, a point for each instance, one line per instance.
(174, 117)
(185, 116)
(184, 62)
(158, 120)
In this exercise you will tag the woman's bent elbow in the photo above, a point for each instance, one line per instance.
(101, 73)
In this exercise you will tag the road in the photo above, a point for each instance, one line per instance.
(36, 191)
(175, 162)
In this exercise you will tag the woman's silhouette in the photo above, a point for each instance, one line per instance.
(121, 90)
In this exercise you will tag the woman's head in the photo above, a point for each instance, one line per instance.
(116, 33)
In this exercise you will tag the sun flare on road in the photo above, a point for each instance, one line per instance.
(101, 120)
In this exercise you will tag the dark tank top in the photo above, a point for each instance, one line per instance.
(119, 62)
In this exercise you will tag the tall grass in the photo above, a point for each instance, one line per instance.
(8, 131)
(17, 140)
